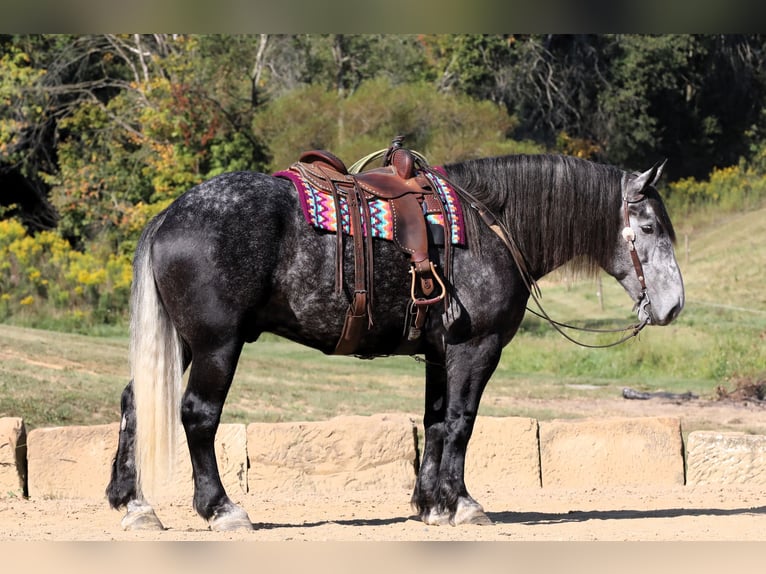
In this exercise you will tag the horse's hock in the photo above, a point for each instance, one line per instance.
(380, 452)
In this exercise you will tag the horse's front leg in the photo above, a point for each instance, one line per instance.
(442, 495)
(122, 491)
(424, 496)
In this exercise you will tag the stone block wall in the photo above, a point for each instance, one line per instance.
(725, 458)
(344, 453)
(355, 453)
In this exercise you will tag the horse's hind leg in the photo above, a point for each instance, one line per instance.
(122, 491)
(211, 375)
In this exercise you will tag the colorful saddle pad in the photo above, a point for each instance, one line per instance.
(319, 209)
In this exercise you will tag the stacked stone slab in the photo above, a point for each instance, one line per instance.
(345, 453)
(725, 458)
(611, 452)
(71, 462)
(75, 462)
(13, 457)
(504, 447)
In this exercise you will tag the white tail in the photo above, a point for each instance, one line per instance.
(156, 359)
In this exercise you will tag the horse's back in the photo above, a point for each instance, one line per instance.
(226, 199)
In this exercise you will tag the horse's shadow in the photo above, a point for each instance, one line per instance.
(535, 518)
(542, 518)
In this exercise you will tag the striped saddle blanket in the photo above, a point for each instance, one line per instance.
(319, 209)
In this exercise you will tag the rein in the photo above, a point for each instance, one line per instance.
(491, 220)
(499, 229)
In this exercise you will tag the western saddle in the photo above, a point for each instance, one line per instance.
(402, 183)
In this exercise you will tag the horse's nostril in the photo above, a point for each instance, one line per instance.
(675, 312)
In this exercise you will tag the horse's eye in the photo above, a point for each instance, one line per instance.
(648, 229)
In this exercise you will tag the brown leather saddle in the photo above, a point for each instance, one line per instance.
(410, 196)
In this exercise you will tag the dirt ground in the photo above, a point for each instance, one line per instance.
(679, 513)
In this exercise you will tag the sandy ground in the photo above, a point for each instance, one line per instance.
(634, 514)
(679, 513)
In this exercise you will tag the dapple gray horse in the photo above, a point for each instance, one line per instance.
(233, 258)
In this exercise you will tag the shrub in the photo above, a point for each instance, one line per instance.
(728, 190)
(43, 280)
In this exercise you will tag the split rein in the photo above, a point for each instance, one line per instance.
(534, 290)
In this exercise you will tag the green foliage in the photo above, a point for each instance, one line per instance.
(42, 277)
(651, 96)
(444, 127)
(302, 120)
(473, 64)
(342, 62)
(728, 190)
(16, 74)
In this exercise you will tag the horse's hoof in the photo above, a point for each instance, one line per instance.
(232, 518)
(141, 518)
(470, 512)
(434, 518)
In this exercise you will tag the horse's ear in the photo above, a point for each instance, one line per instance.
(659, 166)
(650, 177)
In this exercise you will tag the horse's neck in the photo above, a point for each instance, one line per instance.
(559, 240)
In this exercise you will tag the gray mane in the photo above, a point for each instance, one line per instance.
(558, 208)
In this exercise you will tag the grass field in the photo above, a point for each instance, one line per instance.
(51, 378)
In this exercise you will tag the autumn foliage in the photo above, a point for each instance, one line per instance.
(99, 133)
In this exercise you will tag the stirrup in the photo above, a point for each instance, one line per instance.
(421, 302)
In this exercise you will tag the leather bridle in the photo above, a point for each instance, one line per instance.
(504, 234)
(630, 237)
(641, 301)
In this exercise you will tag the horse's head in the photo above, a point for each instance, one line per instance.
(644, 261)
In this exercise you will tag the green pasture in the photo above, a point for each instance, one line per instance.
(51, 378)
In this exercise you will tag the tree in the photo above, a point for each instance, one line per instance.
(474, 64)
(182, 116)
(28, 126)
(85, 115)
(444, 127)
